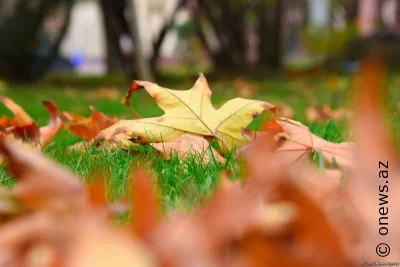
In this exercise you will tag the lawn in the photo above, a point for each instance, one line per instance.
(182, 185)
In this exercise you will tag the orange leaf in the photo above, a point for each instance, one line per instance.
(21, 118)
(88, 128)
(144, 204)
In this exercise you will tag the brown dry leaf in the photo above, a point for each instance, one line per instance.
(89, 127)
(96, 243)
(21, 124)
(40, 179)
(325, 112)
(295, 141)
(188, 145)
(270, 130)
(21, 118)
(311, 238)
(368, 189)
(59, 223)
(300, 142)
(187, 112)
(145, 204)
(48, 133)
(24, 126)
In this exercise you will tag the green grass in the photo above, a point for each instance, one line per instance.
(181, 185)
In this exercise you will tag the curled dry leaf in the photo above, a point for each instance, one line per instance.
(23, 126)
(88, 127)
(48, 133)
(295, 142)
(299, 142)
(187, 112)
(189, 145)
(21, 118)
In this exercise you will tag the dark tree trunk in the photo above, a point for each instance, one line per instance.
(42, 64)
(233, 23)
(276, 55)
(141, 62)
(223, 58)
(27, 48)
(270, 32)
(115, 25)
(352, 10)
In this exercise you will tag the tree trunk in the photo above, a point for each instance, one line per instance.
(113, 32)
(223, 58)
(30, 46)
(276, 55)
(142, 62)
(270, 32)
(352, 10)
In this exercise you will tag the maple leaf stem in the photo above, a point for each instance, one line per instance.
(134, 111)
(134, 86)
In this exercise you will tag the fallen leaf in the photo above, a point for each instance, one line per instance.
(145, 204)
(300, 142)
(26, 128)
(20, 119)
(88, 128)
(189, 111)
(311, 195)
(270, 130)
(48, 133)
(41, 180)
(189, 145)
(367, 189)
(295, 141)
(96, 243)
(58, 223)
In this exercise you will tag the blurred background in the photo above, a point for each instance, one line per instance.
(148, 39)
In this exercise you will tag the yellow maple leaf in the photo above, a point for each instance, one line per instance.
(187, 111)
